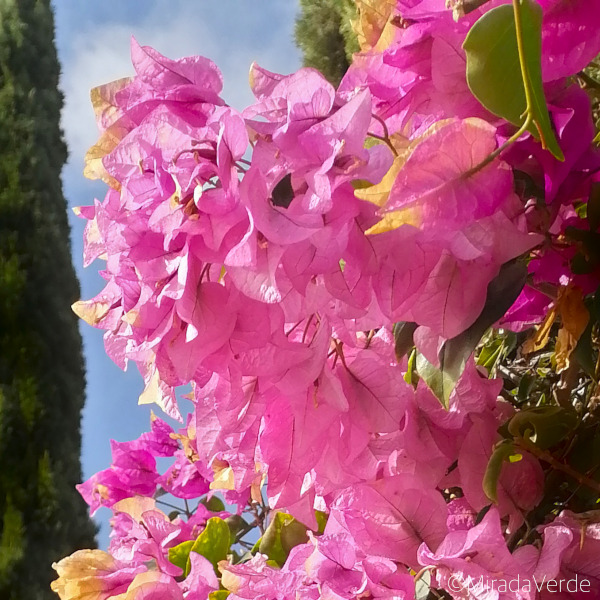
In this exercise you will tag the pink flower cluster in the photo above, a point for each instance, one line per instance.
(264, 256)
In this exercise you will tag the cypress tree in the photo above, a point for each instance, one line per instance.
(324, 35)
(42, 381)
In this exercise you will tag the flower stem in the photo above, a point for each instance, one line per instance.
(558, 466)
(490, 157)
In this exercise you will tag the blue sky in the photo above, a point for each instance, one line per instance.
(93, 45)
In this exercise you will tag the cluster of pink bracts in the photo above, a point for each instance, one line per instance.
(260, 257)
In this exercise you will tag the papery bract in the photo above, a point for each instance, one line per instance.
(92, 575)
(520, 483)
(471, 563)
(271, 281)
(393, 516)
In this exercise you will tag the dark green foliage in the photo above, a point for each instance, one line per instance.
(590, 78)
(42, 379)
(325, 36)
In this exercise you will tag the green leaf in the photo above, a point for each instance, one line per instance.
(282, 534)
(370, 142)
(593, 207)
(545, 426)
(213, 543)
(219, 595)
(214, 504)
(526, 384)
(322, 518)
(179, 555)
(490, 353)
(494, 71)
(236, 524)
(501, 453)
(584, 351)
(437, 380)
(410, 368)
(580, 210)
(361, 184)
(403, 337)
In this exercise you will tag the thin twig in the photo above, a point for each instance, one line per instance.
(177, 508)
(509, 142)
(589, 81)
(385, 140)
(308, 322)
(258, 518)
(558, 466)
(386, 132)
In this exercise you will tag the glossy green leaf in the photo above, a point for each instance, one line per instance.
(501, 453)
(438, 381)
(526, 384)
(370, 142)
(545, 426)
(411, 368)
(322, 518)
(494, 70)
(490, 353)
(282, 534)
(236, 524)
(403, 338)
(214, 504)
(213, 543)
(179, 555)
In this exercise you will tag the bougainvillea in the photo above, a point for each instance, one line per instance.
(384, 300)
